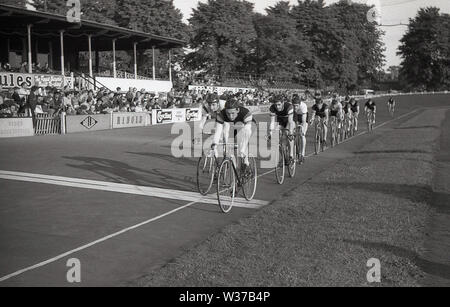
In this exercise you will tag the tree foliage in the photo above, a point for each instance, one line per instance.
(425, 49)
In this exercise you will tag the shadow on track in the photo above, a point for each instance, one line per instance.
(120, 172)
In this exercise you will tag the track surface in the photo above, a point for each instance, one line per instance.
(117, 234)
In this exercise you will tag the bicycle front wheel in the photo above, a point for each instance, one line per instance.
(280, 167)
(250, 180)
(206, 169)
(292, 164)
(226, 186)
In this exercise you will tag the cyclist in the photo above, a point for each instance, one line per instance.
(391, 105)
(369, 109)
(320, 109)
(301, 117)
(211, 108)
(336, 111)
(282, 112)
(233, 113)
(348, 114)
(354, 107)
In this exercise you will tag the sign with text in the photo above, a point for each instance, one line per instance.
(164, 116)
(128, 120)
(220, 90)
(193, 115)
(15, 127)
(10, 80)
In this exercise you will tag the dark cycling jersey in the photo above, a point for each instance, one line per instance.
(347, 108)
(354, 107)
(243, 116)
(391, 101)
(298, 118)
(283, 115)
(322, 111)
(371, 106)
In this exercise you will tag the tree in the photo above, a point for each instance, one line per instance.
(18, 3)
(222, 36)
(425, 49)
(279, 50)
(102, 11)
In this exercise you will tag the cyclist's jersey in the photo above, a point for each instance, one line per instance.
(322, 111)
(354, 107)
(371, 107)
(282, 116)
(244, 116)
(335, 108)
(391, 101)
(347, 108)
(298, 117)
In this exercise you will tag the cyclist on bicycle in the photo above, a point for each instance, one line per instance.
(348, 114)
(282, 112)
(211, 108)
(369, 109)
(301, 118)
(233, 113)
(354, 106)
(320, 109)
(391, 105)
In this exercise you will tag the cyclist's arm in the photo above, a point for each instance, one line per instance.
(272, 123)
(313, 116)
(291, 123)
(203, 121)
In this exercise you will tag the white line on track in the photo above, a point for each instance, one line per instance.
(122, 188)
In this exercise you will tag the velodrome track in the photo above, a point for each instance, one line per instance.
(119, 201)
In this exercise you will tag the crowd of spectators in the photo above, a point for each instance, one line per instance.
(36, 67)
(22, 102)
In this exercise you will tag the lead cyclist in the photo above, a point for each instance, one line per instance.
(234, 113)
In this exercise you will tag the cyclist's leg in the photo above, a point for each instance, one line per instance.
(244, 139)
(325, 128)
(303, 130)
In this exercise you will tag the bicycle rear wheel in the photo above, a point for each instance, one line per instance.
(280, 168)
(250, 180)
(292, 164)
(226, 186)
(206, 169)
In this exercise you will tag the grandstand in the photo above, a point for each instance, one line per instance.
(39, 43)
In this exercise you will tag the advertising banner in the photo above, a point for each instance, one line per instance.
(83, 123)
(15, 127)
(164, 116)
(128, 120)
(193, 115)
(10, 80)
(178, 115)
(49, 80)
(220, 90)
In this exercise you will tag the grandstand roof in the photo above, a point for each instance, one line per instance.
(14, 21)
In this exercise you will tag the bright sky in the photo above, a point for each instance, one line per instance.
(391, 11)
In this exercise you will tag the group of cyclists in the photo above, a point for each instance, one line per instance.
(289, 115)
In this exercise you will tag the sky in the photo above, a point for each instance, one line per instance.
(391, 12)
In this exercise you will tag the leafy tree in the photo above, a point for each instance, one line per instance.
(222, 36)
(101, 11)
(281, 52)
(425, 49)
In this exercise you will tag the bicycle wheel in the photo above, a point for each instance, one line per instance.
(280, 168)
(292, 163)
(206, 169)
(226, 186)
(250, 180)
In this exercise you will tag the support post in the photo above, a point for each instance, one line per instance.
(114, 59)
(62, 51)
(30, 60)
(135, 60)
